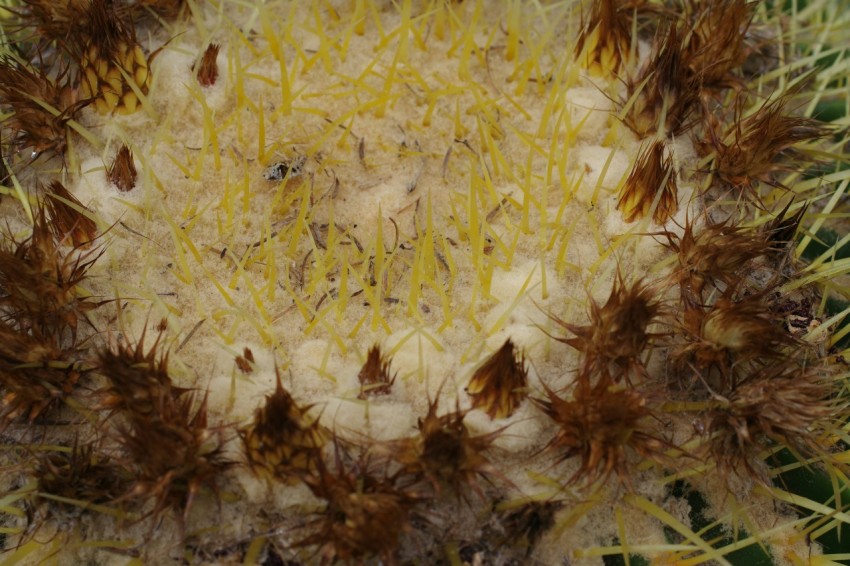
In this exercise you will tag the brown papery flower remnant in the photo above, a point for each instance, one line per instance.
(283, 442)
(122, 173)
(498, 386)
(617, 335)
(600, 426)
(375, 376)
(69, 219)
(650, 187)
(208, 69)
(604, 41)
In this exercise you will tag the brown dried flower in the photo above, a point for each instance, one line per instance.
(782, 403)
(604, 41)
(716, 43)
(38, 283)
(444, 452)
(82, 474)
(165, 430)
(283, 442)
(617, 334)
(207, 71)
(713, 254)
(761, 144)
(122, 173)
(70, 224)
(650, 187)
(374, 376)
(600, 426)
(661, 96)
(366, 513)
(730, 336)
(498, 386)
(41, 106)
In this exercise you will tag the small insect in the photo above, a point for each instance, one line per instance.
(279, 170)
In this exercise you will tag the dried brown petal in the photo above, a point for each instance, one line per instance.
(208, 69)
(617, 335)
(783, 404)
(604, 41)
(374, 376)
(650, 187)
(498, 386)
(600, 426)
(283, 442)
(70, 224)
(122, 173)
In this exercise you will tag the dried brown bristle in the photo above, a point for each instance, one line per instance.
(761, 144)
(650, 187)
(245, 362)
(173, 452)
(38, 283)
(604, 41)
(122, 172)
(617, 335)
(366, 512)
(49, 23)
(35, 373)
(41, 106)
(712, 255)
(663, 93)
(715, 44)
(498, 386)
(526, 523)
(600, 426)
(69, 223)
(375, 376)
(113, 66)
(729, 337)
(444, 453)
(783, 404)
(207, 71)
(82, 474)
(283, 442)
